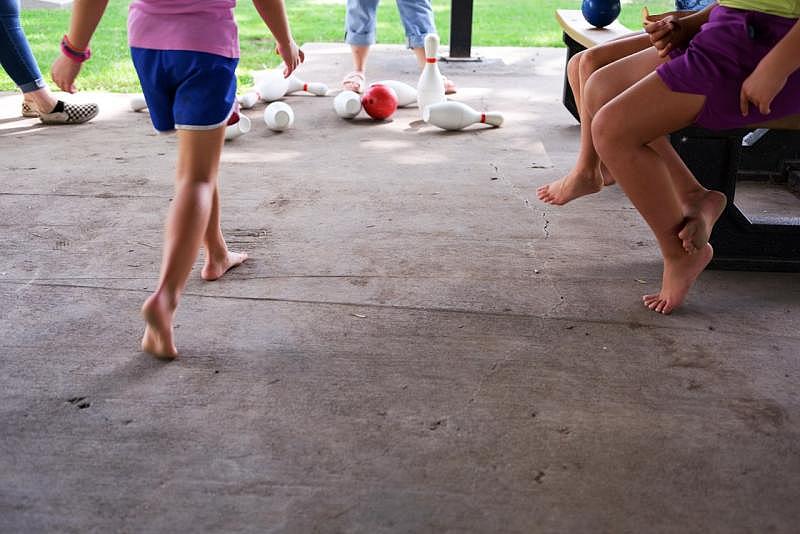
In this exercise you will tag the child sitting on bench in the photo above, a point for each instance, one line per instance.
(740, 68)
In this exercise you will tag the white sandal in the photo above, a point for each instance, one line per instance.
(354, 81)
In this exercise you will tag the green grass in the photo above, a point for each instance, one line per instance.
(495, 23)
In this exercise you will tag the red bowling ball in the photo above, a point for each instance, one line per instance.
(380, 102)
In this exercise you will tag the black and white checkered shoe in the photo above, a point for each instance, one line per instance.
(70, 113)
(29, 109)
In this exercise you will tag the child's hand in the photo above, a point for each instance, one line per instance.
(292, 56)
(667, 33)
(64, 71)
(760, 89)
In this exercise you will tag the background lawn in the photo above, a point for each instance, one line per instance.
(496, 23)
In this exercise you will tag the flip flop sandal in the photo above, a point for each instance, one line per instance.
(29, 109)
(70, 113)
(354, 81)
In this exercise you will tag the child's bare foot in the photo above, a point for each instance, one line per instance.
(679, 275)
(214, 269)
(574, 185)
(702, 213)
(157, 340)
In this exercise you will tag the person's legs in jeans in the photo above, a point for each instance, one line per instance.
(17, 58)
(418, 21)
(360, 22)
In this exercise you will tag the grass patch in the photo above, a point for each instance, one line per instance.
(495, 23)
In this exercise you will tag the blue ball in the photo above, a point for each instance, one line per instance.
(600, 13)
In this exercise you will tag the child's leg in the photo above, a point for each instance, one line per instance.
(640, 59)
(187, 223)
(218, 258)
(622, 130)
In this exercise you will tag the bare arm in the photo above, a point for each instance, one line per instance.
(675, 29)
(273, 13)
(86, 14)
(769, 77)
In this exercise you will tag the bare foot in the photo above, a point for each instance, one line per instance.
(572, 186)
(702, 214)
(214, 269)
(157, 340)
(679, 275)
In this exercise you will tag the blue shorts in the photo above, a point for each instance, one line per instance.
(186, 90)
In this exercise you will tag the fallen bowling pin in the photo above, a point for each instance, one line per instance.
(238, 128)
(347, 104)
(315, 88)
(406, 95)
(278, 116)
(249, 99)
(138, 103)
(454, 115)
(271, 86)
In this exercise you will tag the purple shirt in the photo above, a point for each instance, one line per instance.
(197, 25)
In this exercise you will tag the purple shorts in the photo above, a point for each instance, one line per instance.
(719, 59)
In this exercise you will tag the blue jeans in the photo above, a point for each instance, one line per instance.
(360, 21)
(15, 53)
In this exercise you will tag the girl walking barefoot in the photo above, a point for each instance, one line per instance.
(185, 53)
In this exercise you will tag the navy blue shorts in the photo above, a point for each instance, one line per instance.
(186, 90)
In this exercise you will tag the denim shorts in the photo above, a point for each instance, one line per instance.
(360, 21)
(185, 89)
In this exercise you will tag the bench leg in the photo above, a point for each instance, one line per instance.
(573, 47)
(740, 243)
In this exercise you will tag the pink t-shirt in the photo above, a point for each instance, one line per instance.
(198, 25)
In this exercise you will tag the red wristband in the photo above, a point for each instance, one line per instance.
(78, 56)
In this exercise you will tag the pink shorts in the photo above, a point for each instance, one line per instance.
(719, 59)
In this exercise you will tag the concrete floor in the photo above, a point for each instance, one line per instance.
(417, 344)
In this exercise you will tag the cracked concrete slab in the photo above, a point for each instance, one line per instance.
(416, 345)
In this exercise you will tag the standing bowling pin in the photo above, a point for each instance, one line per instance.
(315, 88)
(430, 89)
(406, 95)
(279, 116)
(457, 115)
(347, 104)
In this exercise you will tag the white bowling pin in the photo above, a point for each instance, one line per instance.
(249, 99)
(430, 89)
(271, 86)
(240, 127)
(315, 88)
(279, 116)
(347, 104)
(138, 103)
(454, 115)
(406, 95)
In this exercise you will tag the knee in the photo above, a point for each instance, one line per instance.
(573, 69)
(607, 131)
(591, 61)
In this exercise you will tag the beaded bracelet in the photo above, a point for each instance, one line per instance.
(77, 56)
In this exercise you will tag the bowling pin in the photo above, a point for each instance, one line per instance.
(271, 85)
(315, 88)
(347, 104)
(279, 116)
(430, 89)
(238, 128)
(406, 95)
(454, 115)
(249, 99)
(138, 103)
